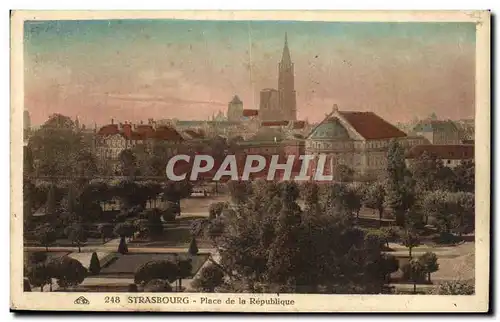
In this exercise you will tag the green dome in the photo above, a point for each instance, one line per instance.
(330, 130)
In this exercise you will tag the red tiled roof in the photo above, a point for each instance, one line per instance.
(110, 129)
(274, 123)
(299, 125)
(142, 132)
(371, 126)
(451, 152)
(250, 112)
(195, 134)
(148, 130)
(167, 133)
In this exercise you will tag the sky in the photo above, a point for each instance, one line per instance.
(131, 70)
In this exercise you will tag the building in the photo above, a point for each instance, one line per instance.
(439, 132)
(358, 140)
(269, 105)
(451, 155)
(235, 109)
(280, 104)
(112, 139)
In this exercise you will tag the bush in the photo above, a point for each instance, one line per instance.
(193, 248)
(95, 265)
(132, 288)
(210, 277)
(456, 288)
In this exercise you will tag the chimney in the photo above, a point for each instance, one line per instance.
(112, 121)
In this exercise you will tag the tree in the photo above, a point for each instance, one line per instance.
(210, 277)
(70, 203)
(239, 191)
(125, 229)
(40, 275)
(375, 198)
(343, 173)
(106, 231)
(465, 211)
(354, 199)
(392, 234)
(149, 223)
(456, 288)
(465, 176)
(128, 163)
(309, 192)
(184, 269)
(216, 208)
(390, 264)
(68, 271)
(410, 239)
(415, 272)
(193, 248)
(174, 191)
(430, 173)
(95, 265)
(163, 270)
(56, 146)
(77, 235)
(51, 205)
(429, 263)
(46, 235)
(400, 186)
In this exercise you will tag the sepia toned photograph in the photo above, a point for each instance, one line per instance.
(230, 161)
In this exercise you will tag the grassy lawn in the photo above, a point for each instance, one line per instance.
(126, 265)
(200, 204)
(172, 237)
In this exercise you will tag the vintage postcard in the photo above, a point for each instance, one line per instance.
(267, 161)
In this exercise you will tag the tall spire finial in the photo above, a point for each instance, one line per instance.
(285, 58)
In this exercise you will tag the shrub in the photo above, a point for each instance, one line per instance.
(193, 248)
(122, 247)
(430, 264)
(456, 288)
(132, 288)
(95, 265)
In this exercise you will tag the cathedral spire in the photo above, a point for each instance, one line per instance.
(285, 58)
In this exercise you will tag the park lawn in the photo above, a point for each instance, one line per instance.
(172, 237)
(126, 265)
(201, 204)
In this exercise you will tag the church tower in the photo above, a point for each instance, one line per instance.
(286, 86)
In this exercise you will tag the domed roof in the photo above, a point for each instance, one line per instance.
(331, 129)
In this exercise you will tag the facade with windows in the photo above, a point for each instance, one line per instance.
(358, 140)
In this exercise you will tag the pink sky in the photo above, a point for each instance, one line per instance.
(133, 74)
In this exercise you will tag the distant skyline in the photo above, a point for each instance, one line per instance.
(133, 70)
